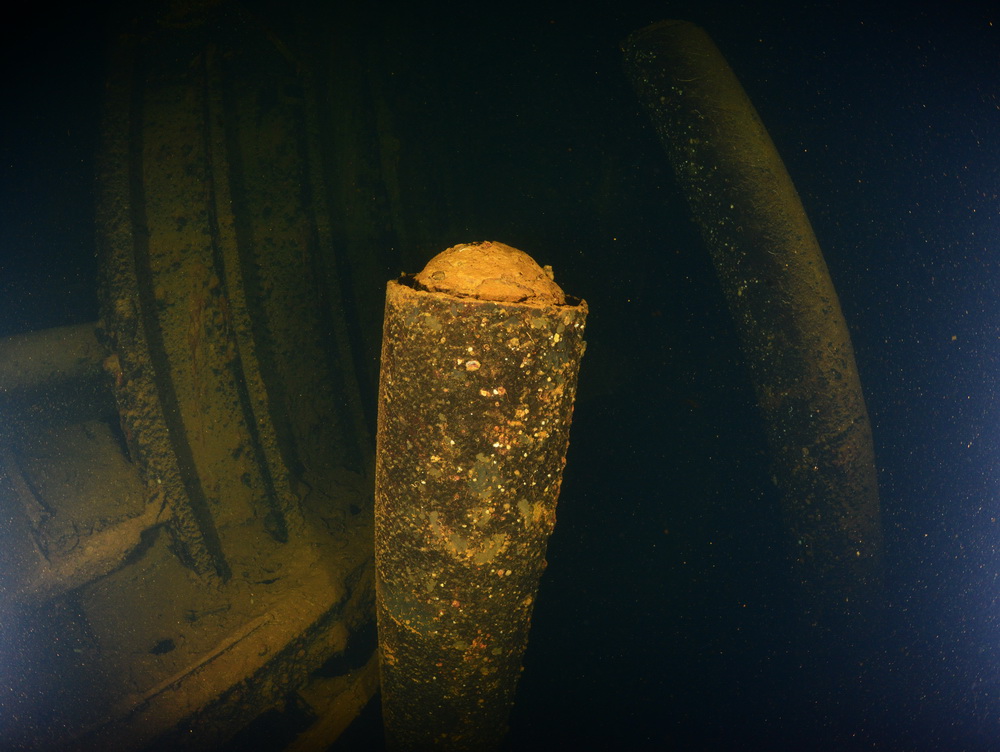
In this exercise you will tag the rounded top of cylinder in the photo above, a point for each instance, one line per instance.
(490, 271)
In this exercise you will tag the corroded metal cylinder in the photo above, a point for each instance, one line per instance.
(480, 357)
